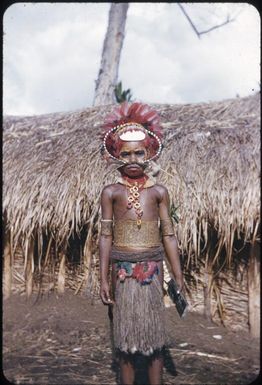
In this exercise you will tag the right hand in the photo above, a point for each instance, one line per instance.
(179, 281)
(180, 284)
(104, 294)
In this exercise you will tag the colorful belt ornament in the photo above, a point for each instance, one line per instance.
(143, 272)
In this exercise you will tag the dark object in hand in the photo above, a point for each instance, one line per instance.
(177, 297)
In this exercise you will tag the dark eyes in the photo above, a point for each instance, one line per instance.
(125, 154)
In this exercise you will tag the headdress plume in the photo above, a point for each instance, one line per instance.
(133, 118)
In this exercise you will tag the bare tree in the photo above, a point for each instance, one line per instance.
(108, 72)
(199, 33)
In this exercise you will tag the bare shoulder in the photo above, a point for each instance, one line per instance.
(162, 190)
(109, 190)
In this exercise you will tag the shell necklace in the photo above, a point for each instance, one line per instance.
(135, 186)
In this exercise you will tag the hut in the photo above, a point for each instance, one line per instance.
(53, 177)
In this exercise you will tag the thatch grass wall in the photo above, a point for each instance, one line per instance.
(53, 177)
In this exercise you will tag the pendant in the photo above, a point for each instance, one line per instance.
(133, 202)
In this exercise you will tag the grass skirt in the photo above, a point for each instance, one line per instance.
(139, 324)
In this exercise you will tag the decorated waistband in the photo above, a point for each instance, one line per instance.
(143, 272)
(154, 254)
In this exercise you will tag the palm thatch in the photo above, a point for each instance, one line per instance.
(53, 174)
(53, 177)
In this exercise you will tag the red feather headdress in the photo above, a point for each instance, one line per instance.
(127, 122)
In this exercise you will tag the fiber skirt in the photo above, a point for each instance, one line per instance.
(138, 313)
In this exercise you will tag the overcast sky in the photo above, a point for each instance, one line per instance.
(52, 52)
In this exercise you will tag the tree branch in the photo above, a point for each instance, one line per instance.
(189, 20)
(199, 33)
(228, 20)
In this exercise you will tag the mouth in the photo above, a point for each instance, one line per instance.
(133, 167)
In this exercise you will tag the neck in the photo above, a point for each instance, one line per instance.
(139, 179)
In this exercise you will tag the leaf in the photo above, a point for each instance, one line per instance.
(173, 212)
(122, 95)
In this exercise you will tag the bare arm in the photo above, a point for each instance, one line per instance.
(105, 243)
(170, 241)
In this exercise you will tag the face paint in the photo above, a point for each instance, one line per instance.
(133, 153)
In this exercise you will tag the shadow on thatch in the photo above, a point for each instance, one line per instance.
(53, 177)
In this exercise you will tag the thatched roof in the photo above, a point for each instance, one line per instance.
(53, 173)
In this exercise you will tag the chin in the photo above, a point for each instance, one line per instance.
(133, 173)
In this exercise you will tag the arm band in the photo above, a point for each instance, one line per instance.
(106, 227)
(166, 226)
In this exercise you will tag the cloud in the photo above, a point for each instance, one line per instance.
(56, 56)
(173, 65)
(52, 54)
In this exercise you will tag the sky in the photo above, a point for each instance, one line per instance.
(52, 54)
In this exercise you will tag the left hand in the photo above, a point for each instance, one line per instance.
(104, 294)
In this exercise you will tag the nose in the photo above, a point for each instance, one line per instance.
(133, 158)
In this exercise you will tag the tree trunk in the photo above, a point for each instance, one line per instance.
(29, 268)
(208, 274)
(207, 294)
(107, 76)
(61, 275)
(87, 253)
(254, 290)
(7, 268)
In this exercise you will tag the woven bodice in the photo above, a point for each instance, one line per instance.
(128, 234)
